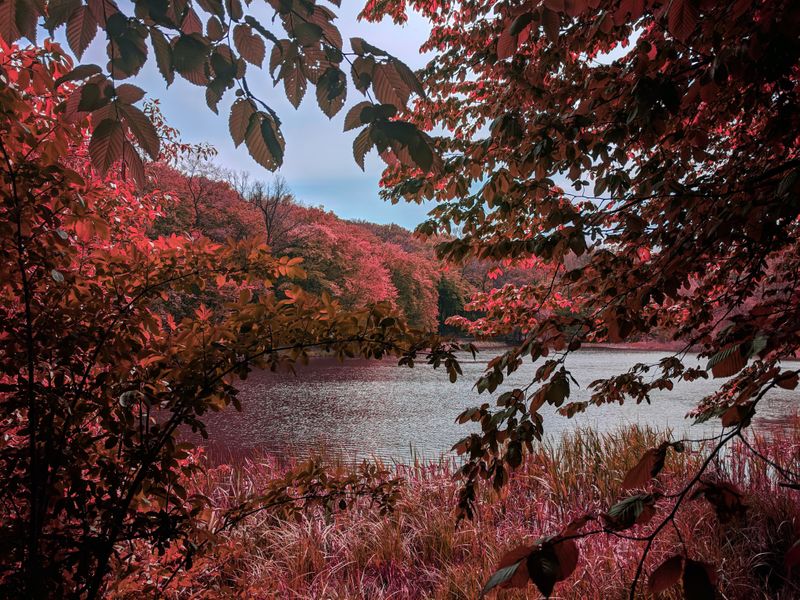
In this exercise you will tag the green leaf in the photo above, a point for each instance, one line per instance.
(500, 577)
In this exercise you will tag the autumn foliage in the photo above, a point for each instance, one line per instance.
(642, 156)
(99, 370)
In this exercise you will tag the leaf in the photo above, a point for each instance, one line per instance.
(792, 557)
(294, 82)
(389, 86)
(133, 162)
(634, 510)
(500, 577)
(648, 467)
(128, 93)
(682, 19)
(250, 45)
(264, 141)
(506, 45)
(81, 29)
(105, 147)
(142, 128)
(551, 23)
(666, 574)
(355, 116)
(787, 380)
(189, 53)
(331, 91)
(361, 145)
(727, 362)
(740, 413)
(79, 72)
(408, 76)
(58, 13)
(698, 581)
(192, 23)
(520, 23)
(163, 52)
(726, 499)
(359, 46)
(239, 120)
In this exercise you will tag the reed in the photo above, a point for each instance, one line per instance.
(418, 551)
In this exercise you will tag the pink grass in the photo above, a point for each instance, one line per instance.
(418, 552)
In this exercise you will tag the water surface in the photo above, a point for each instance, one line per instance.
(376, 408)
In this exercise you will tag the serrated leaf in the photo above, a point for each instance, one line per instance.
(361, 145)
(81, 29)
(355, 117)
(59, 12)
(264, 141)
(250, 45)
(682, 18)
(163, 52)
(133, 163)
(389, 86)
(189, 54)
(634, 510)
(551, 23)
(142, 128)
(294, 82)
(331, 91)
(239, 120)
(129, 94)
(360, 46)
(105, 147)
(727, 362)
(79, 72)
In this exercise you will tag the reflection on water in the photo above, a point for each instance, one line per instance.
(375, 408)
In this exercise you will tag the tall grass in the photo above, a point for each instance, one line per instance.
(418, 551)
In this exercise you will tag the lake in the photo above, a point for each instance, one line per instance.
(376, 408)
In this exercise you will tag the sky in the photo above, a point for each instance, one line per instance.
(318, 164)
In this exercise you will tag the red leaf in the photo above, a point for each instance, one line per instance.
(788, 381)
(699, 579)
(520, 577)
(792, 558)
(666, 574)
(506, 44)
(682, 19)
(648, 467)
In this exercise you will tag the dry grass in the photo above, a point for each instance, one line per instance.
(419, 552)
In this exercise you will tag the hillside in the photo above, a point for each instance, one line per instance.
(356, 262)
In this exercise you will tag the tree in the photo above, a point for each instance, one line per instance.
(663, 135)
(217, 57)
(278, 208)
(97, 377)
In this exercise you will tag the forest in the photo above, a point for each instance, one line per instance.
(606, 286)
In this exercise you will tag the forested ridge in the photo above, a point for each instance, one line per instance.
(356, 262)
